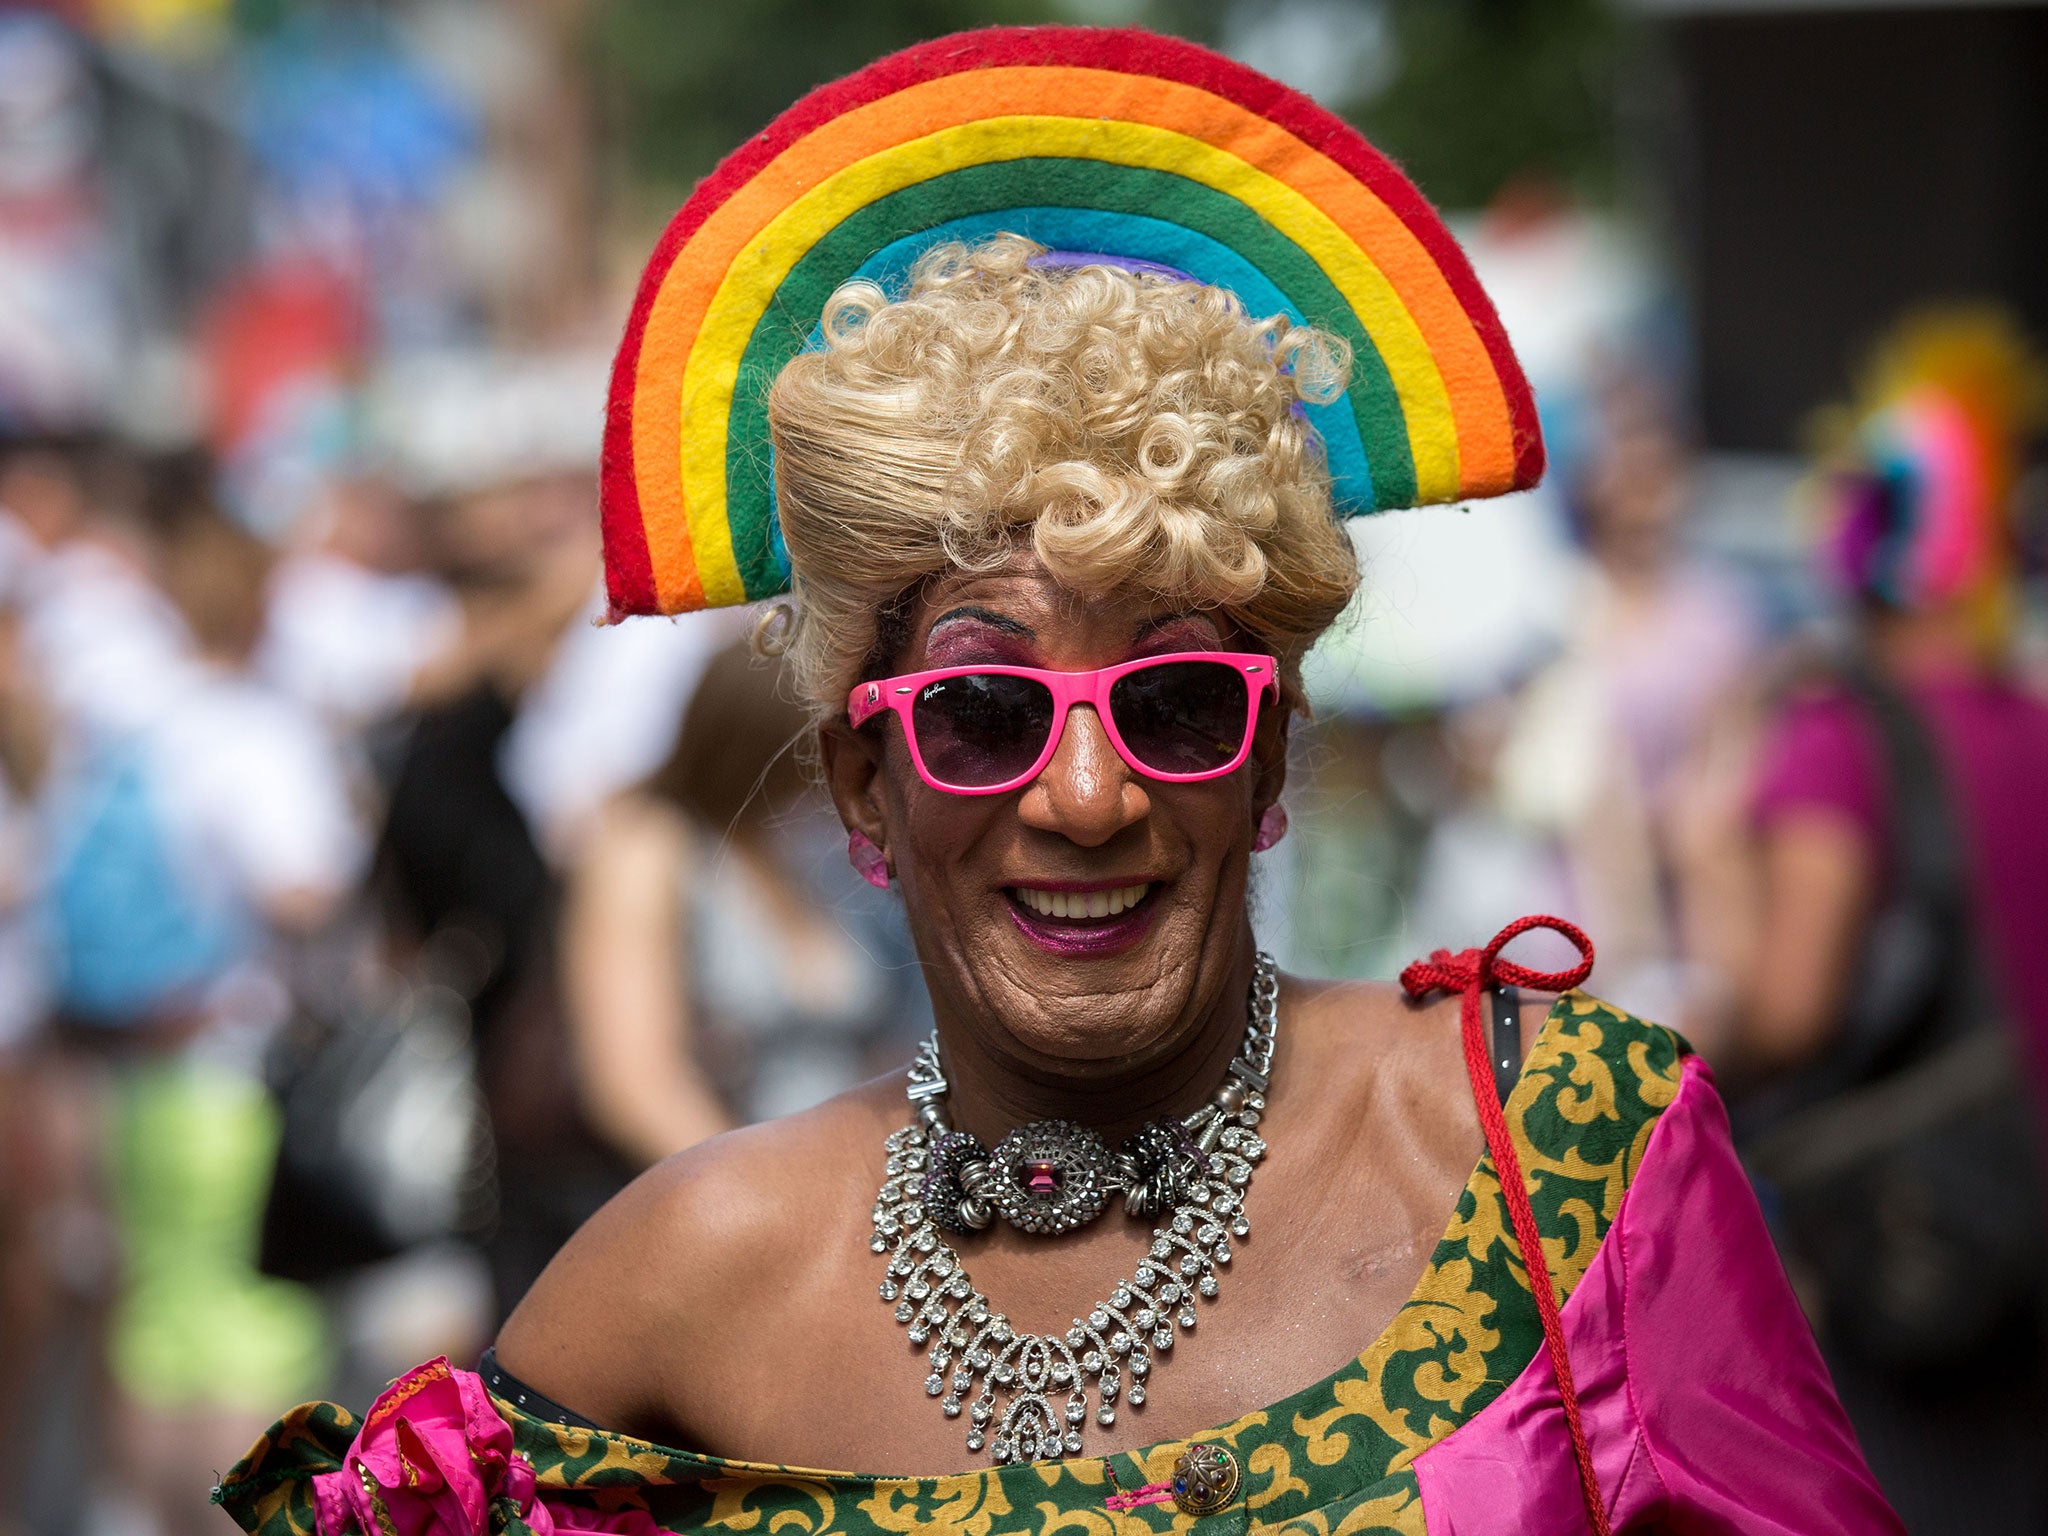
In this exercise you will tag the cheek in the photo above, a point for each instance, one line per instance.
(930, 831)
(1213, 820)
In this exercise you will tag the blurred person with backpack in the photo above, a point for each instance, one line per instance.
(31, 1291)
(90, 635)
(1869, 877)
(194, 835)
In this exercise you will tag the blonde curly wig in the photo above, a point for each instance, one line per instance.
(1137, 431)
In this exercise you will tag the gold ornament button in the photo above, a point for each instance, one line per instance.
(1205, 1479)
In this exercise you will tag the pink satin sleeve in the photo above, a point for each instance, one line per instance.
(1705, 1402)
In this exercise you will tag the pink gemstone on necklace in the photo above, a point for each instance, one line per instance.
(1042, 1177)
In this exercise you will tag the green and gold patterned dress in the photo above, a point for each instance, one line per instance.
(1704, 1401)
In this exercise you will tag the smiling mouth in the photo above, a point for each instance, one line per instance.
(1081, 906)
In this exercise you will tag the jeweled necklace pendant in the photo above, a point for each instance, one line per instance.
(1051, 1177)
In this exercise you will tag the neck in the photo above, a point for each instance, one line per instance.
(991, 1091)
(1633, 567)
(1922, 645)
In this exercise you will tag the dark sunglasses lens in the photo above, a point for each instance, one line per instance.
(1181, 716)
(981, 729)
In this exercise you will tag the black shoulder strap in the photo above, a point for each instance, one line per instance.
(503, 1383)
(1928, 857)
(1507, 1040)
(1925, 838)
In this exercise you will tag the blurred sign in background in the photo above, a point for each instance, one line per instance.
(367, 914)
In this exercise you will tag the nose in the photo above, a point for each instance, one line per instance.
(1087, 793)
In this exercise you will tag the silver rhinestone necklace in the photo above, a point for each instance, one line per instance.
(1047, 1178)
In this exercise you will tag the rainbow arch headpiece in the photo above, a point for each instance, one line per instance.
(1116, 142)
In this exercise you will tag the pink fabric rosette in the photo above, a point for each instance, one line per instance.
(432, 1458)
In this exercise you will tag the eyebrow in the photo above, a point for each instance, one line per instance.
(1159, 621)
(988, 616)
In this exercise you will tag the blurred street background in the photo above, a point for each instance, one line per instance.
(368, 914)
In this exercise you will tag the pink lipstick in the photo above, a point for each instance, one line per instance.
(1083, 920)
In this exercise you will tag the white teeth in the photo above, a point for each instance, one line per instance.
(1078, 904)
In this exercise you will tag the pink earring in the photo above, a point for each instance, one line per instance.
(868, 861)
(1272, 827)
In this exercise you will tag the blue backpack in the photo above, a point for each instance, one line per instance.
(131, 931)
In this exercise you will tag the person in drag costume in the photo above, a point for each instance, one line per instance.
(1038, 364)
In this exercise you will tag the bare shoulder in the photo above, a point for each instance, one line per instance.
(1371, 1053)
(1346, 1015)
(641, 1302)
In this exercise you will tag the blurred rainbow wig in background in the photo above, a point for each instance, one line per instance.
(1917, 477)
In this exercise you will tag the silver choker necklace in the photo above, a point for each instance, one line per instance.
(1047, 1178)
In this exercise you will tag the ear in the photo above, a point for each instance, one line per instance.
(1269, 759)
(853, 776)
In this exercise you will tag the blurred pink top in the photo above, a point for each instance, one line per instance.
(1824, 753)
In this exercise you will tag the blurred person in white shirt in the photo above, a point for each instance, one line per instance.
(353, 617)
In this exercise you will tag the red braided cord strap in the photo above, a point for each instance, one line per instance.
(1470, 973)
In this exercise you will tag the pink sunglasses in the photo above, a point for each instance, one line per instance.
(981, 730)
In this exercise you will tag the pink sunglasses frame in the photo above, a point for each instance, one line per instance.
(1068, 689)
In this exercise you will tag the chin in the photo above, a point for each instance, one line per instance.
(1091, 991)
(1085, 1037)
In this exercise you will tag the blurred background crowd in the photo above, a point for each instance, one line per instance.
(369, 913)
